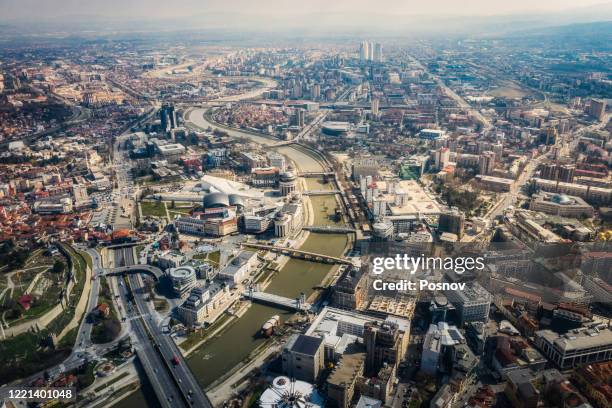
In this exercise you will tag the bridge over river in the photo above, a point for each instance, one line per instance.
(296, 253)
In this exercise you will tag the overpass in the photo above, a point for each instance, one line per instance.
(297, 304)
(299, 254)
(148, 269)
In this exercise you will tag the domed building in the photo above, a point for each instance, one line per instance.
(287, 393)
(562, 205)
(561, 199)
(216, 200)
(287, 183)
(282, 224)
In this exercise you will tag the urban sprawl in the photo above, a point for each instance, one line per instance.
(197, 225)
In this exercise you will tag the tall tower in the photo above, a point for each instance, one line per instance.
(378, 52)
(370, 51)
(364, 51)
(375, 106)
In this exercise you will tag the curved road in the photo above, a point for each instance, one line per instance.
(302, 160)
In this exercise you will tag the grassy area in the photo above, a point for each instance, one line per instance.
(87, 258)
(27, 354)
(39, 279)
(153, 209)
(106, 329)
(213, 257)
(111, 382)
(30, 353)
(202, 334)
(87, 375)
(161, 305)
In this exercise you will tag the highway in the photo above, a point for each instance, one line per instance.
(156, 369)
(83, 340)
(184, 380)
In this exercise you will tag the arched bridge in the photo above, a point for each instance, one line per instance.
(296, 253)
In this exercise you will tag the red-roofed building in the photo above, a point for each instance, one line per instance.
(26, 301)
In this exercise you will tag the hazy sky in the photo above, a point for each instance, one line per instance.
(145, 9)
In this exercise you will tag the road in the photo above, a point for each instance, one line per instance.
(83, 340)
(154, 366)
(510, 198)
(462, 103)
(84, 349)
(184, 379)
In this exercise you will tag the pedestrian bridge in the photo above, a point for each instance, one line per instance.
(296, 253)
(297, 304)
(329, 229)
(315, 174)
(320, 192)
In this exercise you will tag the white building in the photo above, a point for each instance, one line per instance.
(183, 279)
(203, 305)
(472, 303)
(577, 347)
(239, 268)
(61, 206)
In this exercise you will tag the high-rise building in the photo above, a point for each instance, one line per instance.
(370, 51)
(378, 53)
(384, 345)
(375, 106)
(442, 157)
(315, 92)
(364, 51)
(486, 163)
(299, 118)
(351, 290)
(452, 222)
(597, 108)
(303, 357)
(167, 117)
(561, 172)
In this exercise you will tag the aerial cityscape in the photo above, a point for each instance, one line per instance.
(356, 204)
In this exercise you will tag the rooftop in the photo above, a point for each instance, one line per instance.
(578, 339)
(304, 344)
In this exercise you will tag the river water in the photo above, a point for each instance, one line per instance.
(221, 354)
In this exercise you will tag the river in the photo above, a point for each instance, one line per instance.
(221, 354)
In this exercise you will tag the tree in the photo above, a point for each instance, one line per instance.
(58, 266)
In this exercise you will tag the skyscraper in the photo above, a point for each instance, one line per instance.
(378, 52)
(364, 51)
(375, 106)
(370, 51)
(442, 157)
(167, 117)
(597, 108)
(316, 91)
(486, 162)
